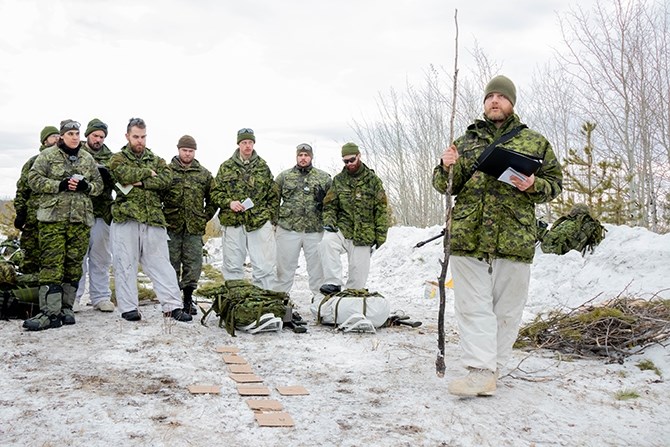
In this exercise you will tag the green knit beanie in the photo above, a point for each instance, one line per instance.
(95, 124)
(47, 132)
(504, 86)
(245, 134)
(350, 149)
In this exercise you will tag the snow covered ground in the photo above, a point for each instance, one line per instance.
(109, 382)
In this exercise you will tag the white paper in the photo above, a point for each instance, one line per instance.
(509, 172)
(247, 203)
(125, 189)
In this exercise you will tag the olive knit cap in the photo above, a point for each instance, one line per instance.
(95, 124)
(187, 141)
(350, 149)
(245, 134)
(504, 86)
(304, 147)
(68, 124)
(47, 132)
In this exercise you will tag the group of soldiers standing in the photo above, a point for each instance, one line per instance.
(82, 209)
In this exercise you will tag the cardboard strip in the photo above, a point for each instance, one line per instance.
(240, 369)
(253, 390)
(246, 378)
(296, 390)
(280, 419)
(264, 405)
(204, 389)
(227, 349)
(234, 359)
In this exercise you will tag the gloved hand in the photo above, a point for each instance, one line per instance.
(330, 228)
(83, 185)
(105, 174)
(63, 185)
(20, 219)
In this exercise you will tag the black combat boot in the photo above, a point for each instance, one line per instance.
(50, 297)
(189, 307)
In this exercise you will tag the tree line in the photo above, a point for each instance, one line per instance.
(603, 101)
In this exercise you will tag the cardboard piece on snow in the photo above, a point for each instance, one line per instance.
(297, 390)
(253, 390)
(240, 369)
(246, 378)
(234, 359)
(227, 349)
(264, 405)
(280, 419)
(204, 389)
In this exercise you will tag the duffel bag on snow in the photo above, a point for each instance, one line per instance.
(336, 309)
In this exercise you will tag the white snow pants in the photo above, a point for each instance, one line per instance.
(96, 264)
(332, 246)
(262, 250)
(488, 308)
(289, 244)
(137, 244)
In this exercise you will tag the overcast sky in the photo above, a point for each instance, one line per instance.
(293, 70)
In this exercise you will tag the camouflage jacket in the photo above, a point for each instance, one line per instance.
(25, 200)
(51, 167)
(237, 180)
(102, 204)
(301, 191)
(142, 203)
(187, 204)
(357, 205)
(492, 219)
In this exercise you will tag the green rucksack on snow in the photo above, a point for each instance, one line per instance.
(238, 303)
(577, 230)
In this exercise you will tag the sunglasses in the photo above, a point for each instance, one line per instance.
(71, 125)
(349, 160)
(101, 126)
(245, 130)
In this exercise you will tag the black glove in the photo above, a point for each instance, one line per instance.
(319, 195)
(105, 174)
(63, 185)
(20, 219)
(83, 185)
(330, 228)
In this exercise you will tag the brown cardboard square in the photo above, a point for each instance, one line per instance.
(296, 390)
(280, 419)
(246, 378)
(253, 390)
(228, 349)
(204, 389)
(264, 405)
(240, 369)
(234, 358)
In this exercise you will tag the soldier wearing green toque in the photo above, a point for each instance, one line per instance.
(355, 217)
(493, 234)
(66, 178)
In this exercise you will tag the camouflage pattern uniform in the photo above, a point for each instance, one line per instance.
(98, 259)
(493, 234)
(188, 207)
(356, 206)
(138, 229)
(65, 218)
(300, 224)
(238, 180)
(25, 204)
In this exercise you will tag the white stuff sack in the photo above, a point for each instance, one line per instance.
(336, 309)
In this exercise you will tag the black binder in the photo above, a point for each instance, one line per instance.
(498, 159)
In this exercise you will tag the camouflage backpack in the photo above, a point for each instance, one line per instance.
(575, 231)
(239, 303)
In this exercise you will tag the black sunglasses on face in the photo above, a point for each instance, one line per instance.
(245, 130)
(349, 160)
